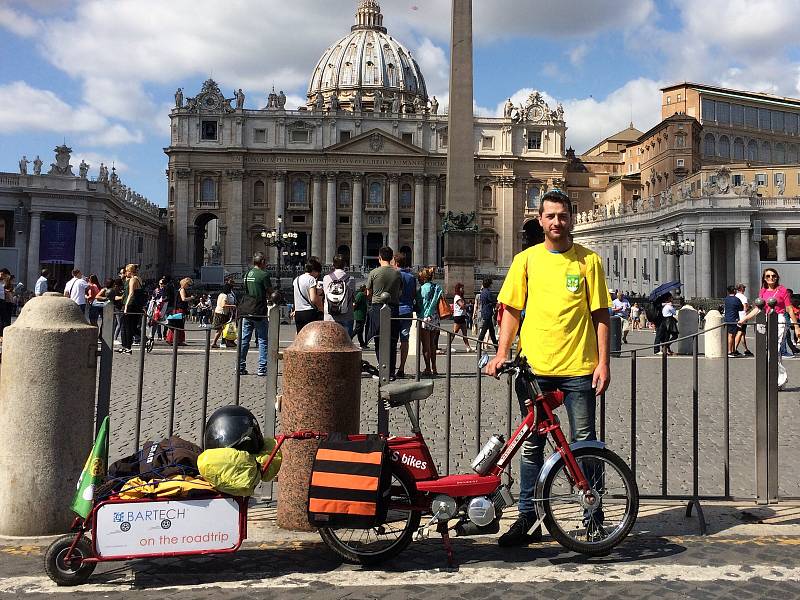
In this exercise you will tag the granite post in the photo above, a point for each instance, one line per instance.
(715, 338)
(459, 244)
(687, 325)
(47, 391)
(321, 392)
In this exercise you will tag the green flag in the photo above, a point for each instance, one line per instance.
(93, 472)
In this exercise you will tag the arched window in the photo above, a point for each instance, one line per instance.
(391, 75)
(345, 199)
(486, 197)
(752, 150)
(724, 147)
(738, 149)
(766, 152)
(259, 195)
(780, 153)
(208, 190)
(709, 145)
(375, 194)
(406, 196)
(487, 249)
(299, 192)
(534, 193)
(348, 74)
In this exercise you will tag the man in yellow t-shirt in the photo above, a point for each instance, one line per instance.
(562, 287)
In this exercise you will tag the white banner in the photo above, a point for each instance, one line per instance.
(141, 528)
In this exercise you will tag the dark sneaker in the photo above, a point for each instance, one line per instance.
(748, 353)
(262, 373)
(518, 534)
(243, 372)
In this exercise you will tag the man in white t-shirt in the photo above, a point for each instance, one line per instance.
(76, 289)
(41, 284)
(740, 335)
(621, 308)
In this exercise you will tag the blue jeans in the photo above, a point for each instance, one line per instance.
(260, 326)
(579, 400)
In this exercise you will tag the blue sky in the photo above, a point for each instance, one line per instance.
(101, 74)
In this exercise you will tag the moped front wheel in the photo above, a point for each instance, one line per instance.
(378, 544)
(591, 523)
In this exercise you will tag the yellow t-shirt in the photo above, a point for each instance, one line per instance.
(558, 293)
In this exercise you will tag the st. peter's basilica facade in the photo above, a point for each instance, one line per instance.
(361, 165)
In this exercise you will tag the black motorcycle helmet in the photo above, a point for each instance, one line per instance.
(233, 427)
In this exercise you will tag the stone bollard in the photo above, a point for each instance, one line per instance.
(687, 325)
(321, 392)
(715, 340)
(47, 394)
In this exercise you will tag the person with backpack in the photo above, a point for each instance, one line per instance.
(308, 297)
(253, 309)
(408, 295)
(340, 291)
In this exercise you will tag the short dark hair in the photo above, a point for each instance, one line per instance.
(731, 289)
(338, 262)
(76, 272)
(108, 283)
(487, 283)
(558, 197)
(227, 288)
(401, 260)
(258, 257)
(45, 272)
(386, 253)
(313, 265)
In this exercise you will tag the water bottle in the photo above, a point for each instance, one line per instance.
(488, 455)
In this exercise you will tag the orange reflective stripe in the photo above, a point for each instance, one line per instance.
(347, 482)
(341, 507)
(372, 458)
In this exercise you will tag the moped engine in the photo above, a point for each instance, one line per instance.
(481, 511)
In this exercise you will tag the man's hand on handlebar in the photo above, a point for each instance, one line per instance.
(494, 365)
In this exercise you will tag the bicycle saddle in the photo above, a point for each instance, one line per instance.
(399, 393)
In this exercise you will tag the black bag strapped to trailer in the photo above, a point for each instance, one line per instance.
(350, 483)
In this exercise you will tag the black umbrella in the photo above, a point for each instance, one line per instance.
(664, 288)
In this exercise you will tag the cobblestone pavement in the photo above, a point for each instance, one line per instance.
(495, 406)
(643, 567)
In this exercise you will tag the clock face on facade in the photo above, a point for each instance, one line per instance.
(536, 113)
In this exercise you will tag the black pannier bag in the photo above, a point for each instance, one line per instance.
(350, 483)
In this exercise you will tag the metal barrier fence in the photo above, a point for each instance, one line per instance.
(765, 409)
(104, 393)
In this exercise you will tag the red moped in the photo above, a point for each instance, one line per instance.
(586, 496)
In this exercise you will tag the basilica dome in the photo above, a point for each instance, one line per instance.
(367, 65)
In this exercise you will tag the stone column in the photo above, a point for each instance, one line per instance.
(191, 236)
(234, 258)
(419, 221)
(330, 220)
(705, 275)
(280, 197)
(181, 207)
(504, 192)
(98, 262)
(433, 220)
(781, 244)
(394, 211)
(459, 252)
(744, 258)
(358, 215)
(108, 251)
(35, 218)
(316, 217)
(80, 244)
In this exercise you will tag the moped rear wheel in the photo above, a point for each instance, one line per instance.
(73, 571)
(378, 544)
(591, 524)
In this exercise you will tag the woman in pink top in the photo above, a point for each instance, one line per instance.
(771, 288)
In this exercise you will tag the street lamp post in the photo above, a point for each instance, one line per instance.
(283, 242)
(674, 245)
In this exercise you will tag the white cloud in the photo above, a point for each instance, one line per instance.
(93, 159)
(25, 108)
(114, 135)
(435, 67)
(17, 22)
(577, 54)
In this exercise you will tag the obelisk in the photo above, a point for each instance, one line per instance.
(460, 233)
